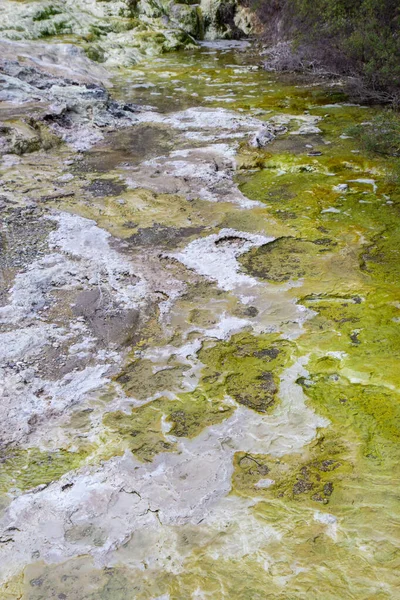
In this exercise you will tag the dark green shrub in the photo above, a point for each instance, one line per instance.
(356, 36)
(381, 135)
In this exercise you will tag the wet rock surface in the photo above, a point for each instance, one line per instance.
(120, 32)
(72, 109)
(198, 330)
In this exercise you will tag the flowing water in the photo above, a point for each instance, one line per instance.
(202, 386)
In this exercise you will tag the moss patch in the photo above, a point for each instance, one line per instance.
(310, 477)
(26, 469)
(247, 368)
(144, 430)
(373, 412)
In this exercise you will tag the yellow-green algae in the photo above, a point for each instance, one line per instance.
(13, 589)
(351, 282)
(143, 432)
(311, 476)
(364, 328)
(247, 368)
(25, 469)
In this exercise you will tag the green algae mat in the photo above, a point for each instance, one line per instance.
(242, 438)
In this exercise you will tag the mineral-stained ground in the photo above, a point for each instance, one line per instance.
(199, 326)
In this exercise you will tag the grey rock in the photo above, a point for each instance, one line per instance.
(266, 135)
(263, 137)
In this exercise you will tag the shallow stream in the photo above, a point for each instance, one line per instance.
(202, 342)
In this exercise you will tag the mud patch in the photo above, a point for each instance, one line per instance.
(162, 236)
(105, 187)
(124, 148)
(107, 320)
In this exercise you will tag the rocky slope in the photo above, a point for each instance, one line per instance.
(122, 32)
(57, 60)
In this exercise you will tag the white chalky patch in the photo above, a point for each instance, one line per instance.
(366, 181)
(216, 259)
(187, 487)
(83, 239)
(199, 118)
(264, 483)
(330, 521)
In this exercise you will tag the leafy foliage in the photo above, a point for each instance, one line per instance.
(380, 135)
(365, 34)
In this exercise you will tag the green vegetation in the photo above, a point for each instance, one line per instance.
(247, 368)
(54, 29)
(131, 8)
(353, 36)
(381, 134)
(95, 53)
(25, 469)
